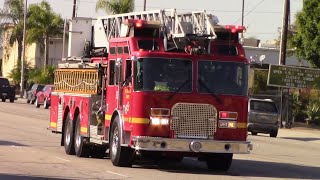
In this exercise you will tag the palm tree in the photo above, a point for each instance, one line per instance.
(115, 6)
(43, 23)
(11, 16)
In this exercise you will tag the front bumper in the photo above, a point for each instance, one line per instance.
(191, 145)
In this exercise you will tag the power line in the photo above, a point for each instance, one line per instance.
(250, 11)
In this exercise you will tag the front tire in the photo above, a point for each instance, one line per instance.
(12, 100)
(68, 136)
(219, 162)
(3, 99)
(37, 103)
(254, 133)
(80, 147)
(120, 156)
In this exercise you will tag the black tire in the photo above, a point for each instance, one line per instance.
(219, 162)
(28, 101)
(45, 104)
(254, 133)
(274, 133)
(120, 156)
(80, 147)
(37, 103)
(33, 101)
(68, 136)
(3, 99)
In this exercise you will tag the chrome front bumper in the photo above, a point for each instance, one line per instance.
(191, 145)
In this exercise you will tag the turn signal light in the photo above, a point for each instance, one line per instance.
(228, 115)
(159, 112)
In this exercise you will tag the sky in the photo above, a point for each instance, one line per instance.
(262, 17)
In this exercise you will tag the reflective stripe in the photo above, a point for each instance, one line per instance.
(108, 117)
(83, 130)
(140, 120)
(53, 124)
(241, 125)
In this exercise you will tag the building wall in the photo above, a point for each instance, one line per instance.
(272, 56)
(34, 57)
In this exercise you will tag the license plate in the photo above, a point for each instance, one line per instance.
(4, 94)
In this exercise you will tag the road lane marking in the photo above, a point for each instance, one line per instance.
(63, 159)
(122, 175)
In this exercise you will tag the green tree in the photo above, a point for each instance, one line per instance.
(41, 76)
(115, 6)
(307, 36)
(43, 23)
(11, 16)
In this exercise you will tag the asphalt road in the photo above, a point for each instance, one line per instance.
(29, 151)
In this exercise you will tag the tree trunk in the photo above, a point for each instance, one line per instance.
(46, 52)
(19, 54)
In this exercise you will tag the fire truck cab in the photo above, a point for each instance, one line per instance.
(145, 93)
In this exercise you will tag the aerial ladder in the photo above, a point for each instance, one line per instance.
(173, 25)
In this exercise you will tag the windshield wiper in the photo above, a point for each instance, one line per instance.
(179, 89)
(209, 90)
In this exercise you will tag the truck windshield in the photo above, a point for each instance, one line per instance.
(222, 78)
(163, 74)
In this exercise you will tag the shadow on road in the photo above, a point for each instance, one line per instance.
(24, 177)
(243, 168)
(253, 168)
(9, 143)
(302, 138)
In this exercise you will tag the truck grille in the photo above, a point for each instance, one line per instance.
(193, 120)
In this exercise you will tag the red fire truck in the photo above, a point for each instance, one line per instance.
(153, 83)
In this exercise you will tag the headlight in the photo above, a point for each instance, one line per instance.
(159, 121)
(227, 124)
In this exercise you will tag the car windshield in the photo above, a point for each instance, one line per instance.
(4, 81)
(162, 74)
(222, 78)
(263, 106)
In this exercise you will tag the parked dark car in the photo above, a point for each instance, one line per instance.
(31, 94)
(43, 97)
(6, 90)
(263, 117)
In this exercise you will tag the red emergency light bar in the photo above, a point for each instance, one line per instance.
(138, 23)
(235, 29)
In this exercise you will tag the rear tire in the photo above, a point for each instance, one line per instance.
(68, 136)
(12, 100)
(274, 134)
(80, 147)
(120, 156)
(254, 133)
(28, 101)
(45, 104)
(3, 99)
(219, 162)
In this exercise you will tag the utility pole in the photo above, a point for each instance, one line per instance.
(242, 17)
(23, 49)
(74, 8)
(144, 5)
(284, 32)
(283, 50)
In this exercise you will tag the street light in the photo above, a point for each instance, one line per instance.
(23, 49)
